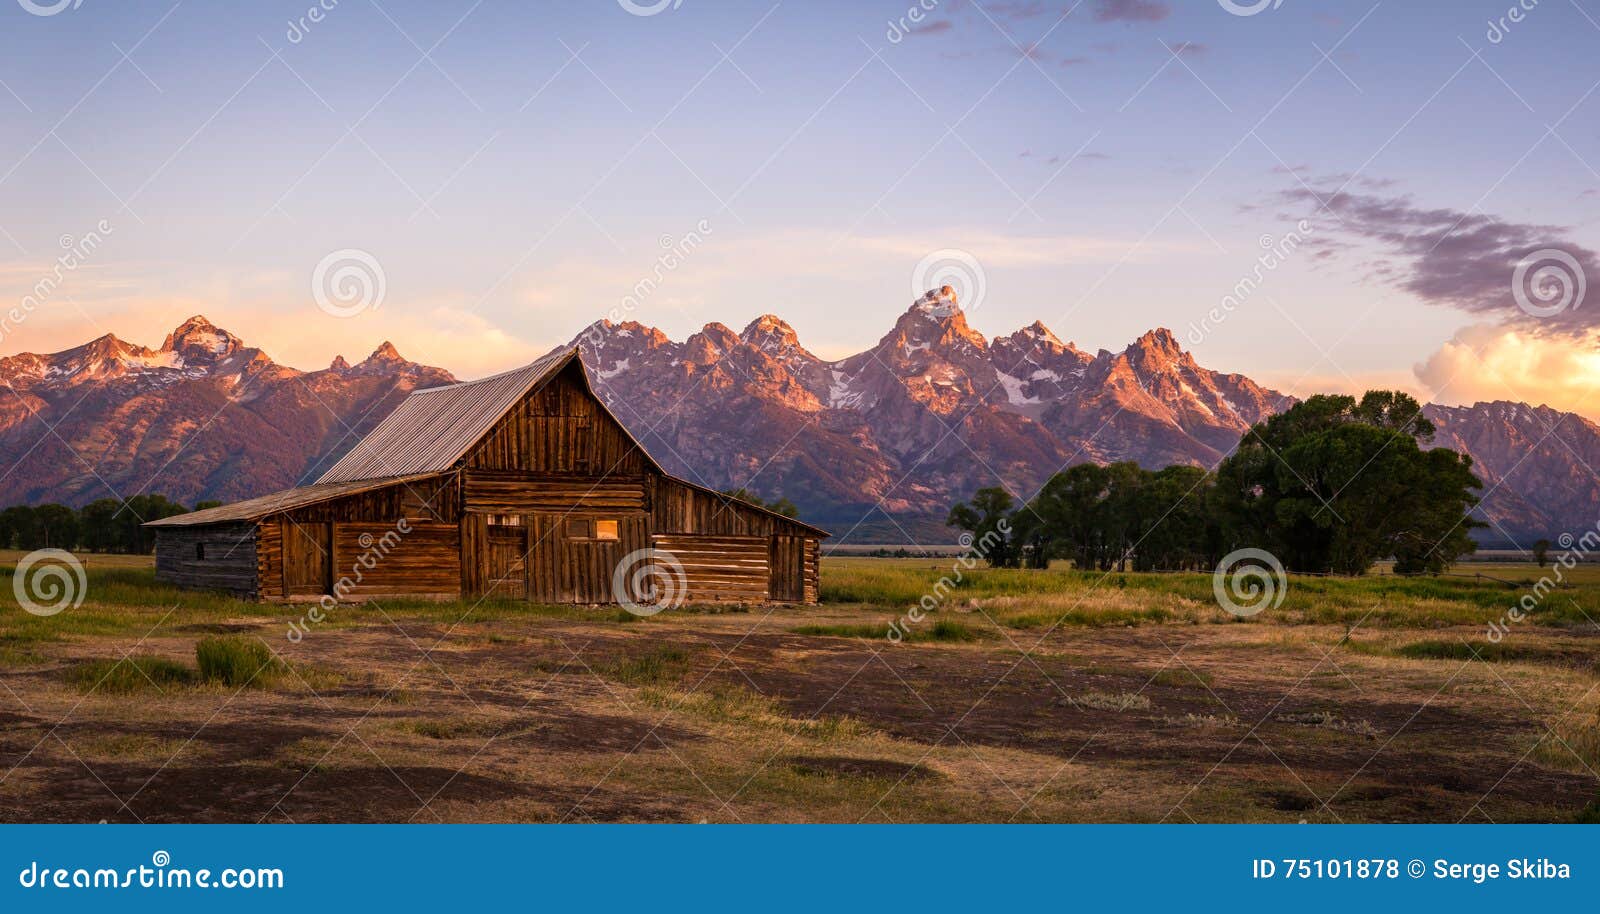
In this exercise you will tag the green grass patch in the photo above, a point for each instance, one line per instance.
(661, 666)
(130, 675)
(237, 662)
(1182, 678)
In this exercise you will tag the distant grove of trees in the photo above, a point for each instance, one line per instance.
(107, 525)
(1333, 484)
(779, 505)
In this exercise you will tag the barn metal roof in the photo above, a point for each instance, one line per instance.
(287, 500)
(427, 433)
(433, 428)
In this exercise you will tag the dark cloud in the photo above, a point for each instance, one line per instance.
(1189, 49)
(1131, 11)
(1462, 260)
(932, 28)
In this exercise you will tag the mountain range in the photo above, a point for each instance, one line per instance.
(875, 446)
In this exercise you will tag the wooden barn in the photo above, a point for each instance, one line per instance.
(522, 486)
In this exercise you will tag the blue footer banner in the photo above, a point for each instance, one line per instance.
(783, 868)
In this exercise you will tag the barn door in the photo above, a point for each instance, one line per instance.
(508, 547)
(787, 569)
(307, 558)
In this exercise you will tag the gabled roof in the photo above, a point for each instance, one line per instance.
(434, 427)
(426, 434)
(287, 500)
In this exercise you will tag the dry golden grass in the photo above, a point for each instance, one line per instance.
(1050, 696)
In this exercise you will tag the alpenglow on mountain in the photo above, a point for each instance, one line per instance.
(874, 446)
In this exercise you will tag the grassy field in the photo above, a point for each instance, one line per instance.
(1026, 696)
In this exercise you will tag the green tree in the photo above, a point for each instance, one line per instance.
(1061, 522)
(21, 524)
(97, 526)
(1541, 553)
(139, 510)
(987, 519)
(1335, 484)
(780, 505)
(58, 526)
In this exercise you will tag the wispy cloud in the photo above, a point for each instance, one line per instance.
(1131, 11)
(1465, 260)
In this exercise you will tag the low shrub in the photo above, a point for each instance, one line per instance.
(237, 661)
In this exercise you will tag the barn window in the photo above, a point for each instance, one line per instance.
(200, 551)
(588, 528)
(506, 520)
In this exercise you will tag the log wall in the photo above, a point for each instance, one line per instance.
(521, 492)
(719, 569)
(379, 560)
(229, 563)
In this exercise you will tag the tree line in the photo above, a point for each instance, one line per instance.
(1334, 484)
(107, 525)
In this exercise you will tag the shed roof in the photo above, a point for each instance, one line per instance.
(287, 500)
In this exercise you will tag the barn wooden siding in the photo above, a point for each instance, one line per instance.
(229, 561)
(302, 553)
(720, 569)
(561, 428)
